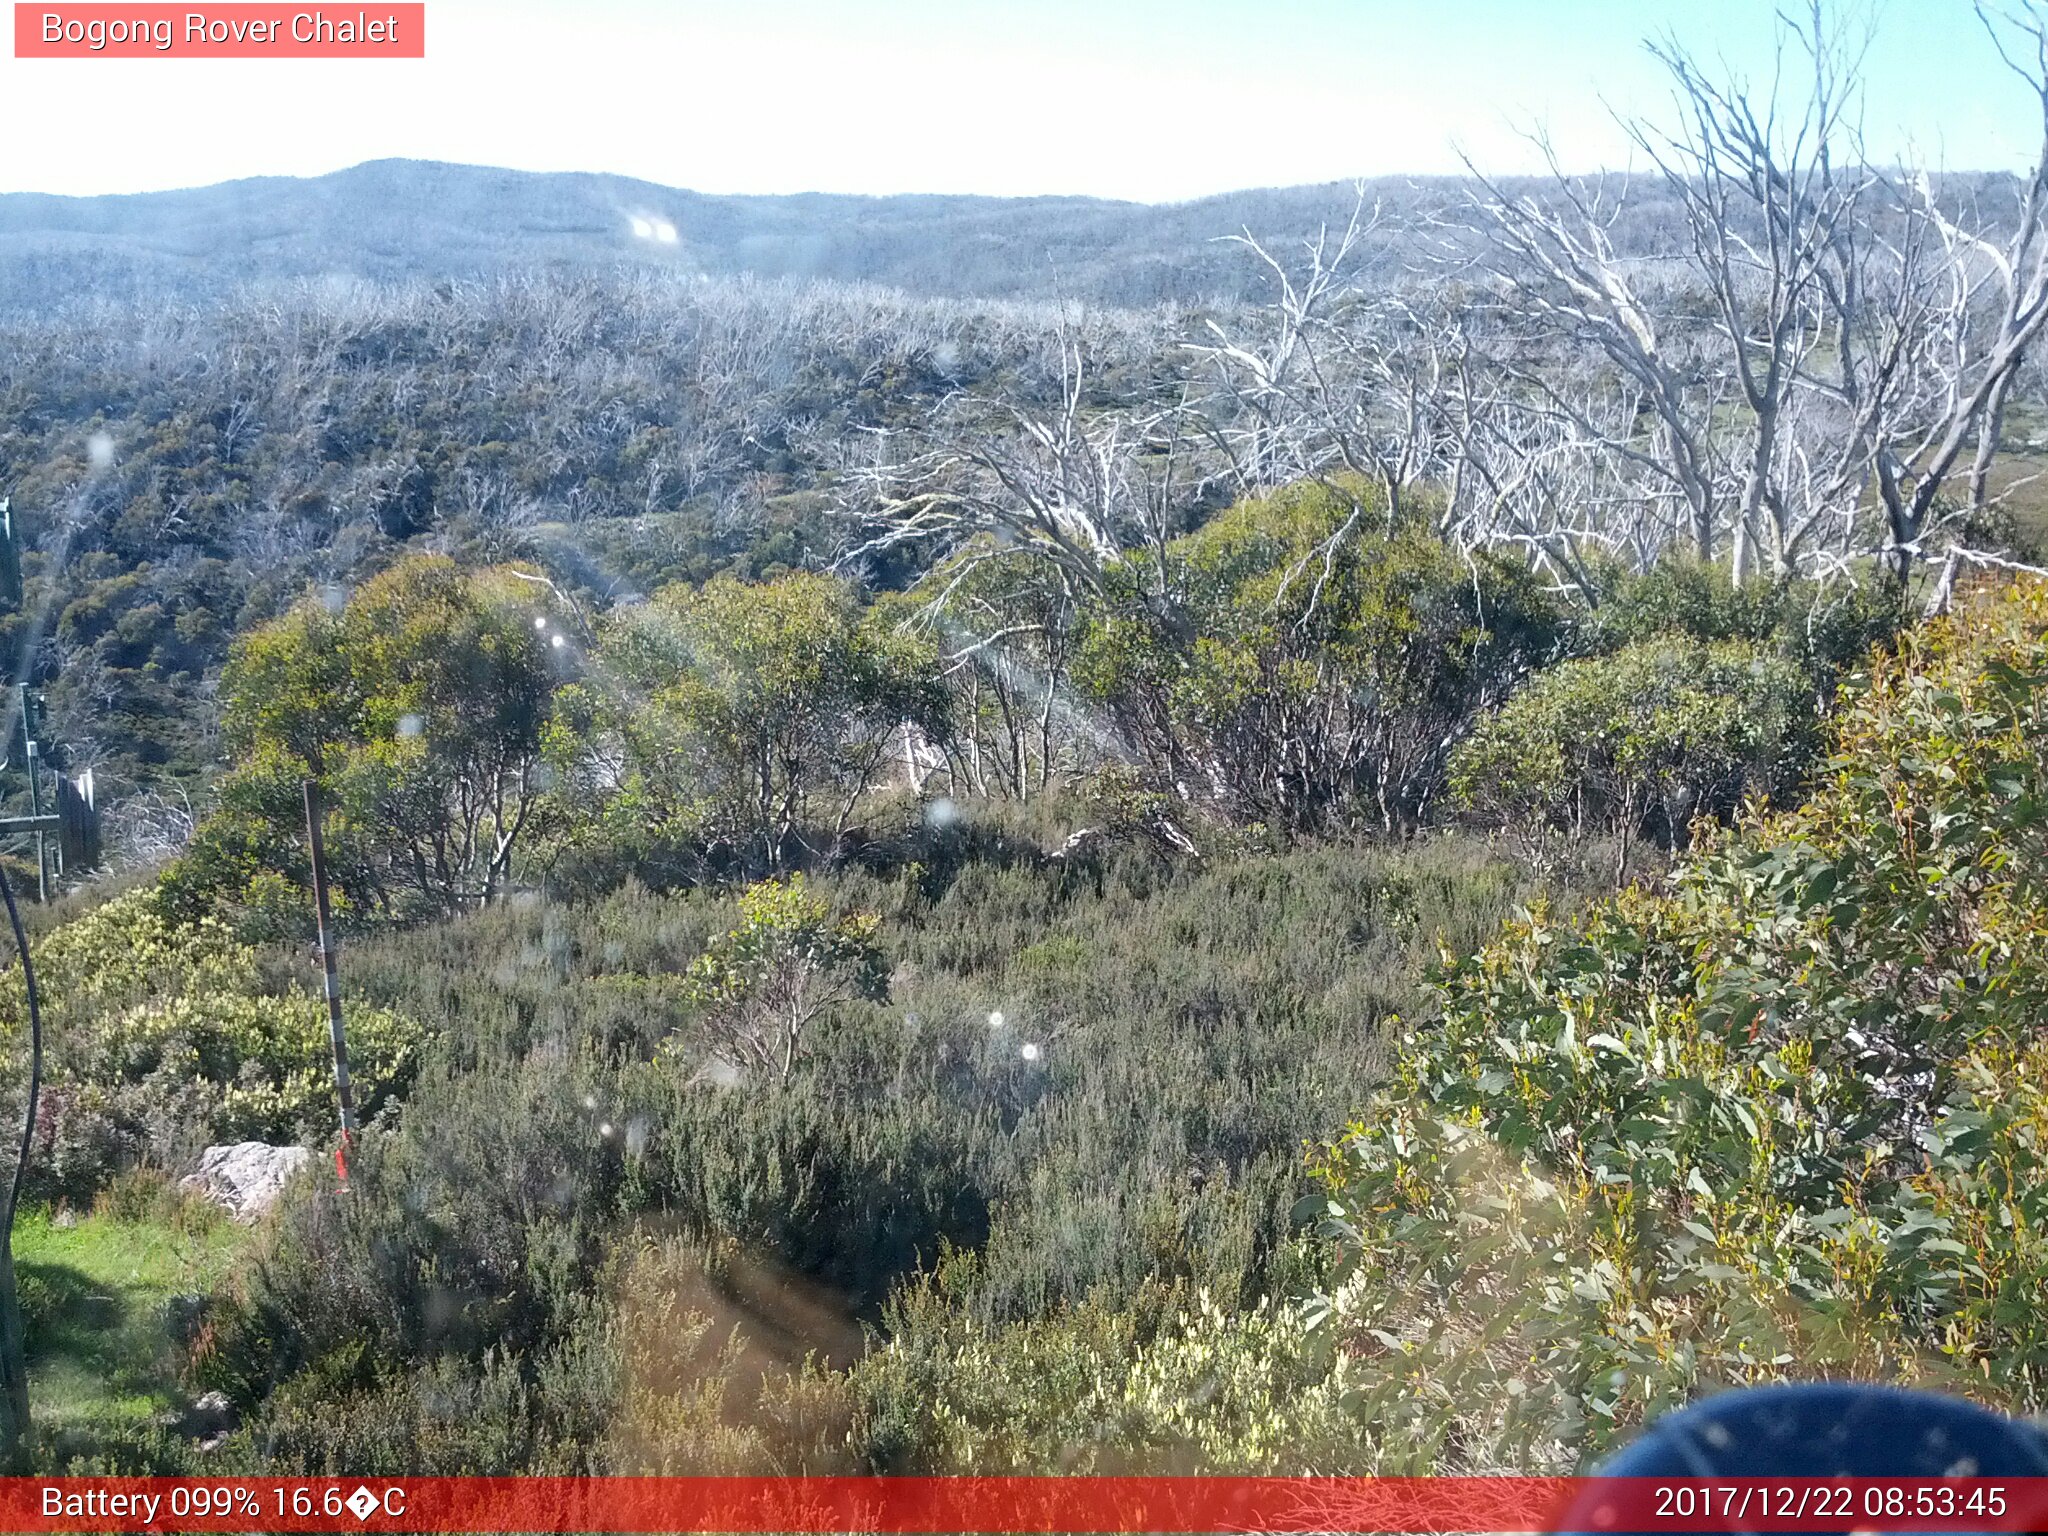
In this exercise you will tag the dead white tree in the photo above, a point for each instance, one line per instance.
(1578, 330)
(1329, 377)
(2004, 270)
(1836, 346)
(1520, 472)
(1070, 484)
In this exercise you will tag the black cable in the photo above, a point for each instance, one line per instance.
(13, 1357)
(35, 1057)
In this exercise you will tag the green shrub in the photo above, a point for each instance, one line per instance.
(1309, 665)
(441, 1418)
(158, 1043)
(1783, 1120)
(1826, 629)
(1643, 741)
(564, 1115)
(1207, 1388)
(788, 966)
(477, 1227)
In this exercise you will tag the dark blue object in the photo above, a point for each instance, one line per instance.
(1833, 1430)
(1825, 1430)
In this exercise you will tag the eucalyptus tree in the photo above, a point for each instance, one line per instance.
(749, 721)
(418, 703)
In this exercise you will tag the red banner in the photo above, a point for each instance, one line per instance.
(227, 31)
(1027, 1506)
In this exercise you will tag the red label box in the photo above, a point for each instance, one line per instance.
(375, 30)
(1020, 1506)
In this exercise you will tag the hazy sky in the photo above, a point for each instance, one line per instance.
(1148, 99)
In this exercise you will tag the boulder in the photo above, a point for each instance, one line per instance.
(247, 1177)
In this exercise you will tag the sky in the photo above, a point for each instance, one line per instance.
(1153, 100)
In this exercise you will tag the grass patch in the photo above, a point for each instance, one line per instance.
(99, 1301)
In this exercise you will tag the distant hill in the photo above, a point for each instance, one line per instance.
(410, 220)
(407, 219)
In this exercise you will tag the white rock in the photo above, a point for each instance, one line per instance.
(247, 1177)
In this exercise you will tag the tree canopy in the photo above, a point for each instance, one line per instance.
(1317, 664)
(747, 720)
(417, 705)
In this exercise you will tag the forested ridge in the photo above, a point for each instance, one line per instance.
(390, 220)
(1391, 868)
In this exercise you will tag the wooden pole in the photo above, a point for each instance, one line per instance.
(325, 918)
